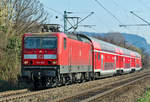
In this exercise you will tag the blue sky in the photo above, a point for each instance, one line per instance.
(103, 20)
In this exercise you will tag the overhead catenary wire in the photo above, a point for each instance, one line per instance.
(141, 2)
(56, 11)
(140, 17)
(81, 20)
(100, 19)
(109, 12)
(124, 10)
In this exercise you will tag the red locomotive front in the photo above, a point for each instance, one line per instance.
(39, 58)
(40, 50)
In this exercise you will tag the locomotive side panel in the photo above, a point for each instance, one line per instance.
(78, 55)
(63, 51)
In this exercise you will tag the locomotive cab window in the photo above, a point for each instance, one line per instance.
(40, 42)
(49, 43)
(65, 43)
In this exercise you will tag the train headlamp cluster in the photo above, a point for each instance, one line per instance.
(52, 62)
(31, 62)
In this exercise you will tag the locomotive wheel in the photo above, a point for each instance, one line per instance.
(73, 78)
(63, 80)
(37, 85)
(87, 76)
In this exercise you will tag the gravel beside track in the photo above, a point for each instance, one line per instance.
(13, 92)
(93, 94)
(4, 96)
(130, 93)
(65, 91)
(114, 90)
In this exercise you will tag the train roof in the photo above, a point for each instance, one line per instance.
(105, 46)
(43, 34)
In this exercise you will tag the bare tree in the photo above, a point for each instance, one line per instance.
(16, 18)
(28, 14)
(22, 15)
(115, 37)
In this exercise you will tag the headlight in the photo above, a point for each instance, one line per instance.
(26, 62)
(54, 62)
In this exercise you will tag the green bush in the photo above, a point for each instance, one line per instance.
(145, 98)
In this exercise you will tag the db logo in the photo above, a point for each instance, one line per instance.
(40, 56)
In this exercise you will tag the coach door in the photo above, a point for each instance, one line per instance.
(101, 62)
(115, 64)
(95, 60)
(90, 60)
(70, 58)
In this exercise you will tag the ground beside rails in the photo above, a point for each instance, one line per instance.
(93, 90)
(93, 94)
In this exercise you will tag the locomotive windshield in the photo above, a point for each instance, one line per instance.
(40, 43)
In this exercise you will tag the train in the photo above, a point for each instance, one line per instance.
(54, 58)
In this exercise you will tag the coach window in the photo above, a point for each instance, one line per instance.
(64, 43)
(98, 55)
(117, 58)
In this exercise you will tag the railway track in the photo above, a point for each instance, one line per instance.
(21, 94)
(91, 95)
(115, 89)
(14, 92)
(13, 95)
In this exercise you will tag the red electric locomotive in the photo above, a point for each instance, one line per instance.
(50, 59)
(56, 58)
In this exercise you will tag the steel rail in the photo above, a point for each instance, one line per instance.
(18, 96)
(12, 92)
(94, 98)
(101, 89)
